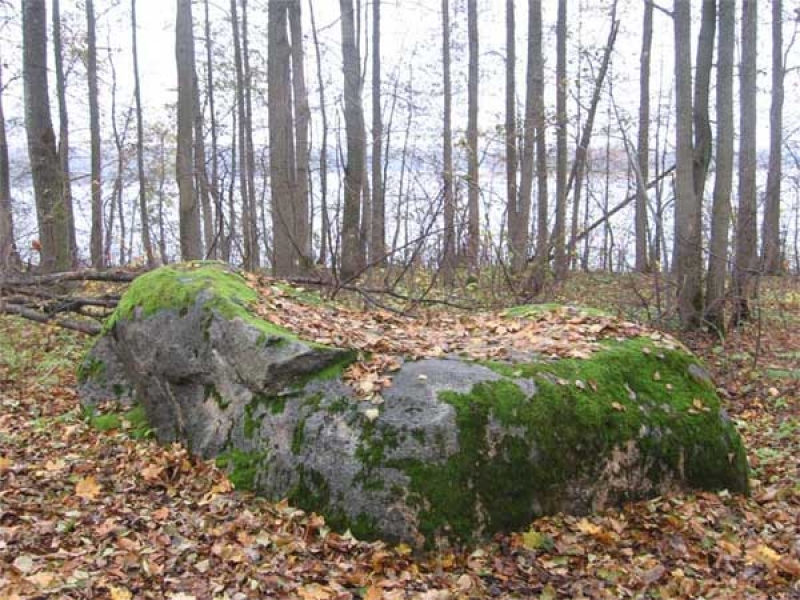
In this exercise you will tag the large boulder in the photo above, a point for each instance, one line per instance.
(454, 448)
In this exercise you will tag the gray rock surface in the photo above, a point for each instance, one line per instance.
(452, 449)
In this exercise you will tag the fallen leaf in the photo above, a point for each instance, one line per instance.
(88, 488)
(120, 593)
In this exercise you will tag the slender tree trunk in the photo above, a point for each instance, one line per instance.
(302, 116)
(352, 259)
(517, 211)
(189, 211)
(146, 243)
(201, 176)
(162, 177)
(746, 261)
(687, 235)
(771, 236)
(213, 184)
(51, 212)
(449, 207)
(284, 244)
(378, 234)
(723, 178)
(561, 260)
(63, 129)
(702, 123)
(250, 156)
(248, 211)
(473, 181)
(96, 238)
(643, 149)
(325, 238)
(9, 257)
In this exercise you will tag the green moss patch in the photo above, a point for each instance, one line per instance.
(583, 411)
(177, 287)
(242, 467)
(133, 421)
(90, 368)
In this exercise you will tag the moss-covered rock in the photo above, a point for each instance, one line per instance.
(457, 449)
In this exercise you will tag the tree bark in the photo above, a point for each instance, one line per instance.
(96, 238)
(302, 118)
(687, 235)
(352, 258)
(282, 172)
(63, 128)
(449, 208)
(517, 212)
(561, 260)
(51, 212)
(746, 260)
(702, 124)
(378, 235)
(723, 178)
(191, 240)
(771, 235)
(213, 184)
(643, 147)
(144, 213)
(9, 257)
(325, 238)
(473, 178)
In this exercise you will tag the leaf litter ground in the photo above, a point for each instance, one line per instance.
(90, 514)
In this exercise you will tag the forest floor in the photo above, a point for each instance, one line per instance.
(101, 514)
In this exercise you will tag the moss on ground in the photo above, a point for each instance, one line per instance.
(583, 410)
(538, 310)
(133, 421)
(90, 368)
(242, 467)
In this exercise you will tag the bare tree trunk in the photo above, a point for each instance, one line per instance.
(561, 260)
(746, 261)
(529, 123)
(148, 246)
(51, 212)
(248, 211)
(517, 210)
(352, 259)
(702, 124)
(96, 239)
(687, 235)
(282, 173)
(249, 157)
(201, 176)
(771, 235)
(162, 176)
(643, 149)
(9, 257)
(325, 237)
(723, 178)
(449, 207)
(302, 116)
(63, 129)
(378, 235)
(213, 184)
(190, 235)
(473, 181)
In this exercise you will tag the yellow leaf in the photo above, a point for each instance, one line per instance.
(87, 488)
(617, 406)
(120, 593)
(584, 526)
(5, 463)
(764, 554)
